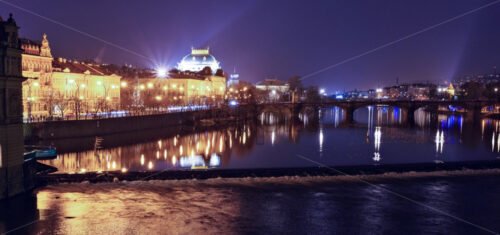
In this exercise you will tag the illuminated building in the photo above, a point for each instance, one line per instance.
(198, 60)
(233, 79)
(59, 87)
(451, 90)
(198, 80)
(273, 88)
(180, 88)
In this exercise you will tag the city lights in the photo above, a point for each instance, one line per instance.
(259, 141)
(161, 72)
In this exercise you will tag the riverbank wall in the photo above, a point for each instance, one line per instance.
(415, 169)
(107, 126)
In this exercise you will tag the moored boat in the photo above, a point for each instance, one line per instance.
(29, 156)
(40, 152)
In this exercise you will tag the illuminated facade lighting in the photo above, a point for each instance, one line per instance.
(198, 60)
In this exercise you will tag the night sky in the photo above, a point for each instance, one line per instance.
(278, 38)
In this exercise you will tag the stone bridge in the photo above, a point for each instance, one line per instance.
(473, 109)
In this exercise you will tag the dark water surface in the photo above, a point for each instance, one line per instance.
(380, 135)
(285, 205)
(460, 202)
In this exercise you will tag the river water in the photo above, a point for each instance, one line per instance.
(380, 135)
(458, 202)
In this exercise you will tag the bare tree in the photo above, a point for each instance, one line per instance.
(50, 104)
(62, 103)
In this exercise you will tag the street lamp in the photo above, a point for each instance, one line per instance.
(161, 72)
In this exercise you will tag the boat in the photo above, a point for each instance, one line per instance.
(28, 156)
(41, 152)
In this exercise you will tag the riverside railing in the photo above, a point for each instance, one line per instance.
(120, 114)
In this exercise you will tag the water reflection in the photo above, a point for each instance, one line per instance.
(439, 141)
(276, 138)
(205, 149)
(377, 138)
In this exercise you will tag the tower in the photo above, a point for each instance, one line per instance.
(233, 79)
(11, 129)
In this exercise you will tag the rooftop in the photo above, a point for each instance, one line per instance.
(64, 65)
(272, 82)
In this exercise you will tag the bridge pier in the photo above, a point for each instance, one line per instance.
(12, 175)
(473, 113)
(348, 113)
(410, 114)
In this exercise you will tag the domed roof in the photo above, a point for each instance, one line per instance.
(197, 60)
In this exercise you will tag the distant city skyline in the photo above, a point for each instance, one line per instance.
(279, 38)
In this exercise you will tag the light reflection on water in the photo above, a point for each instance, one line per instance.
(380, 135)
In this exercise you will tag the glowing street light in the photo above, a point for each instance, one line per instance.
(161, 72)
(124, 84)
(322, 91)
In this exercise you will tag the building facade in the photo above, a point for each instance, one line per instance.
(12, 175)
(178, 89)
(198, 60)
(272, 89)
(61, 87)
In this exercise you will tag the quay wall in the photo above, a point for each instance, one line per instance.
(107, 126)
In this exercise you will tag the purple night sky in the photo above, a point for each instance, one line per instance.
(278, 38)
